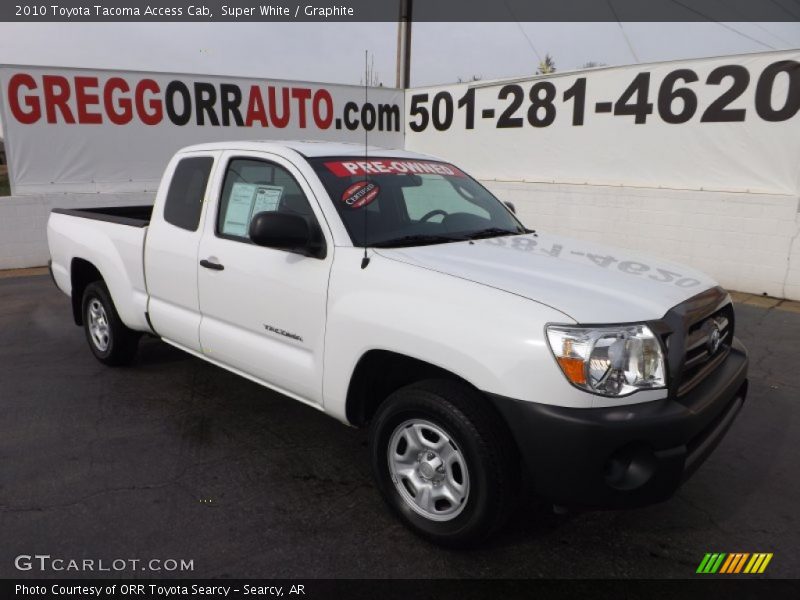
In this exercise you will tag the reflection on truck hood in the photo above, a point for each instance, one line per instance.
(592, 283)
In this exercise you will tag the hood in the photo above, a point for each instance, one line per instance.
(591, 283)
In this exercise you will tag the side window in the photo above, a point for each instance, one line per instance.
(253, 186)
(436, 193)
(186, 190)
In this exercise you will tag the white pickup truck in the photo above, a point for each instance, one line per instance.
(394, 291)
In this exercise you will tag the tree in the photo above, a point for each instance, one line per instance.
(373, 77)
(547, 66)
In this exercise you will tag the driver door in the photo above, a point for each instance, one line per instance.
(263, 309)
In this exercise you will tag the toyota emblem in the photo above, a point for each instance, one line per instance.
(714, 339)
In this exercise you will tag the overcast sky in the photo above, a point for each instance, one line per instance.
(334, 52)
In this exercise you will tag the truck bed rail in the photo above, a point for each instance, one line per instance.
(134, 216)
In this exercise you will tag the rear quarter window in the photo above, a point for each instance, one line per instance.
(184, 201)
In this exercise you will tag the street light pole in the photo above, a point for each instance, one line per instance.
(404, 45)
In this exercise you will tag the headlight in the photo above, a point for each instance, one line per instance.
(612, 361)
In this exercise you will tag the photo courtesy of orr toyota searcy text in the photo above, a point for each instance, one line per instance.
(88, 100)
(158, 591)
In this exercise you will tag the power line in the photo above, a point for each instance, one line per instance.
(522, 31)
(622, 29)
(775, 35)
(759, 25)
(784, 9)
(728, 27)
(530, 43)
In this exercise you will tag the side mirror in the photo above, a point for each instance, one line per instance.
(511, 207)
(286, 231)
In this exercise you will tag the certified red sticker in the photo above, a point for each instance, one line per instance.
(360, 194)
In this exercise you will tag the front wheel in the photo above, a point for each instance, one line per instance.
(443, 461)
(110, 340)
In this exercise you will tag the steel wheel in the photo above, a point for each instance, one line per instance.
(111, 342)
(428, 470)
(444, 461)
(98, 324)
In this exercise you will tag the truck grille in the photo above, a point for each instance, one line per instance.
(698, 334)
(707, 343)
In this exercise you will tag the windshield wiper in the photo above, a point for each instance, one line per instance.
(490, 232)
(417, 240)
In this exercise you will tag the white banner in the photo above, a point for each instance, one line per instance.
(76, 130)
(727, 124)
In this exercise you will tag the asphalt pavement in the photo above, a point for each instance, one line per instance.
(173, 458)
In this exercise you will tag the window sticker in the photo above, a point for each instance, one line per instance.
(350, 168)
(247, 199)
(240, 205)
(360, 194)
(267, 198)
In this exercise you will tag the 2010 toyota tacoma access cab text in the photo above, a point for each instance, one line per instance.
(394, 291)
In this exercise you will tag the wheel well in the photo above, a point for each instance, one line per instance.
(381, 372)
(82, 273)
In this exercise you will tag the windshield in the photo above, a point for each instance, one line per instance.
(408, 202)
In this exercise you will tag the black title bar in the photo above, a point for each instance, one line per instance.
(389, 10)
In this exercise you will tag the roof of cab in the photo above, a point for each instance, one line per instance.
(309, 148)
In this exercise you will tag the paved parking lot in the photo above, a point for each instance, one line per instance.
(175, 458)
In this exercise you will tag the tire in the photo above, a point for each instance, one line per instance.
(454, 491)
(110, 340)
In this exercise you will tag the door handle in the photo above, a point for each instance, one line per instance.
(211, 265)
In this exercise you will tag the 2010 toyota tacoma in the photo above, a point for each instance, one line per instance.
(391, 290)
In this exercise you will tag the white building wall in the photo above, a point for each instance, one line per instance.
(748, 242)
(23, 222)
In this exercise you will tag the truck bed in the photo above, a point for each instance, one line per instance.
(134, 216)
(111, 240)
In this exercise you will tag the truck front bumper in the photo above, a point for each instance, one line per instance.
(630, 455)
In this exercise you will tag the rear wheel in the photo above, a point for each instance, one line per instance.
(110, 340)
(443, 462)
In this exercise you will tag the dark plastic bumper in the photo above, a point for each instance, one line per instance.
(631, 455)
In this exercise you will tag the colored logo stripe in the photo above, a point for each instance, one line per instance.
(758, 563)
(720, 562)
(734, 563)
(711, 562)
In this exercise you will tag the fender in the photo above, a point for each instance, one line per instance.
(380, 308)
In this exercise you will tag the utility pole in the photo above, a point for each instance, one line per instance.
(404, 45)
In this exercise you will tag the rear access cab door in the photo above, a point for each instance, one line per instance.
(171, 247)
